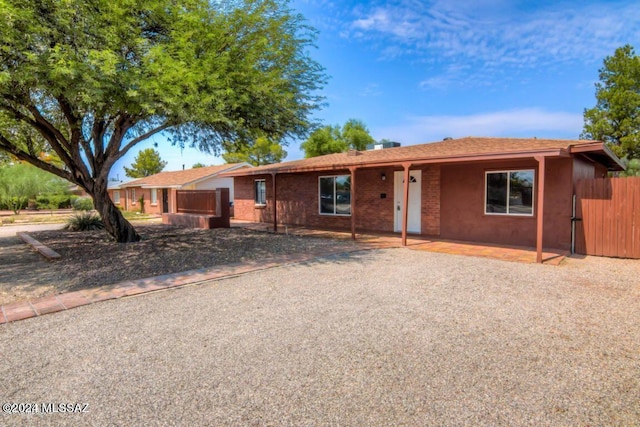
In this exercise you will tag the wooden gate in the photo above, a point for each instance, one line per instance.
(608, 217)
(201, 202)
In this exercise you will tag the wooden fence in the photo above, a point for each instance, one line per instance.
(201, 202)
(608, 217)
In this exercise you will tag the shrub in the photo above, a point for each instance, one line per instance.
(55, 201)
(84, 221)
(83, 204)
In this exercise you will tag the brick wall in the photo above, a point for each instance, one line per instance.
(430, 210)
(131, 204)
(297, 200)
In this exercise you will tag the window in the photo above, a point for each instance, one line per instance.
(509, 192)
(116, 197)
(335, 195)
(133, 196)
(154, 196)
(260, 194)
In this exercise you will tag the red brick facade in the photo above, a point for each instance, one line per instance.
(452, 206)
(130, 203)
(297, 199)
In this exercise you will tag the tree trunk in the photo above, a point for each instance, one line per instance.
(114, 222)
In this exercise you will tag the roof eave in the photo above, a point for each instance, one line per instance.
(598, 147)
(412, 161)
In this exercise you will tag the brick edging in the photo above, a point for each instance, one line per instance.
(61, 302)
(43, 250)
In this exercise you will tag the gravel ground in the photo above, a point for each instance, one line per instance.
(378, 338)
(91, 259)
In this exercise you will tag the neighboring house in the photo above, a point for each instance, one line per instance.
(159, 190)
(475, 189)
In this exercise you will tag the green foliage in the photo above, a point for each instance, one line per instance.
(333, 139)
(356, 134)
(83, 204)
(141, 201)
(55, 201)
(616, 117)
(632, 167)
(146, 163)
(21, 182)
(90, 80)
(262, 151)
(85, 221)
(199, 165)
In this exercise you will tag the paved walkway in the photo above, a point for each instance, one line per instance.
(55, 303)
(392, 240)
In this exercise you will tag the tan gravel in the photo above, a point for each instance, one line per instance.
(91, 259)
(380, 338)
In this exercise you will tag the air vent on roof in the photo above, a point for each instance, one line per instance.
(382, 144)
(447, 138)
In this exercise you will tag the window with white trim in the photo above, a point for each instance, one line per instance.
(154, 196)
(260, 192)
(116, 197)
(509, 192)
(133, 196)
(335, 195)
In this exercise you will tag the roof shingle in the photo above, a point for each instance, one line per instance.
(183, 177)
(447, 150)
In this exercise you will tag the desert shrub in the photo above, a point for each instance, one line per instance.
(14, 203)
(55, 201)
(84, 221)
(83, 204)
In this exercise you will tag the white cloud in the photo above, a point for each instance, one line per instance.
(372, 89)
(530, 122)
(494, 34)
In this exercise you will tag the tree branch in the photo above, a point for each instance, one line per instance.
(118, 154)
(50, 137)
(9, 147)
(140, 138)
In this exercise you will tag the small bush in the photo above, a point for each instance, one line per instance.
(55, 201)
(84, 221)
(83, 204)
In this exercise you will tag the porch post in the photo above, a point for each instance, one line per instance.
(405, 203)
(273, 202)
(540, 208)
(353, 202)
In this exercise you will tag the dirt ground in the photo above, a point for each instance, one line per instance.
(91, 259)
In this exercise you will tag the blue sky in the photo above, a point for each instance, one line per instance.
(419, 71)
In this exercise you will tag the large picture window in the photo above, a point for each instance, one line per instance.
(335, 195)
(260, 195)
(509, 192)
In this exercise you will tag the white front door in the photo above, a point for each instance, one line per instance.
(415, 200)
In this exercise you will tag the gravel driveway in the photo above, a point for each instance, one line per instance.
(377, 338)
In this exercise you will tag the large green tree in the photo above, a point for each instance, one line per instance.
(262, 151)
(616, 117)
(90, 79)
(147, 162)
(21, 182)
(354, 134)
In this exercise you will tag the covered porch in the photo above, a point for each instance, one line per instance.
(419, 243)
